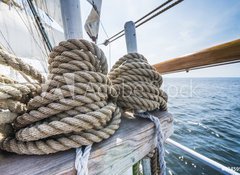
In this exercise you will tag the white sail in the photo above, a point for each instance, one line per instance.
(50, 12)
(19, 34)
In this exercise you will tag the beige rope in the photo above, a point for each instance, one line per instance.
(21, 92)
(155, 165)
(138, 84)
(6, 80)
(17, 64)
(74, 108)
(7, 117)
(14, 97)
(79, 103)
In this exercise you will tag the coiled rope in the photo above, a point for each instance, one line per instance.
(66, 115)
(138, 86)
(79, 104)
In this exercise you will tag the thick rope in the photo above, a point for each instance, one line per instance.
(79, 104)
(17, 64)
(138, 84)
(15, 96)
(6, 80)
(74, 108)
(154, 163)
(7, 117)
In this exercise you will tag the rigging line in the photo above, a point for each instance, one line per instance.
(154, 10)
(105, 32)
(46, 11)
(160, 12)
(29, 28)
(110, 55)
(30, 31)
(100, 21)
(24, 76)
(43, 59)
(40, 25)
(109, 46)
(39, 32)
(50, 28)
(108, 42)
(9, 46)
(121, 33)
(40, 37)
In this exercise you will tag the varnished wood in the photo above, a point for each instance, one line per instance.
(133, 140)
(221, 54)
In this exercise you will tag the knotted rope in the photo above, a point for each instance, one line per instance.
(80, 103)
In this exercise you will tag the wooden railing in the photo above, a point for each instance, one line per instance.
(116, 155)
(221, 54)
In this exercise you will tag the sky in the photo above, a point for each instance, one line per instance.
(191, 26)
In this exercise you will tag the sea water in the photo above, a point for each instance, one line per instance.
(207, 119)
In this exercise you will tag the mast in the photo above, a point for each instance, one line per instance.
(130, 35)
(72, 21)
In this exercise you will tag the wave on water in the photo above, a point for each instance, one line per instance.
(207, 120)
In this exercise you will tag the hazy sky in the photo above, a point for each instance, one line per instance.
(188, 27)
(191, 26)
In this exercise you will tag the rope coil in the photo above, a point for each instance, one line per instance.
(138, 84)
(79, 104)
(66, 115)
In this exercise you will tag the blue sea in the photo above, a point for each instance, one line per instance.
(207, 120)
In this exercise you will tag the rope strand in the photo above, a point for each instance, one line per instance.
(79, 104)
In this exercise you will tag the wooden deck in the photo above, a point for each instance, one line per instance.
(128, 145)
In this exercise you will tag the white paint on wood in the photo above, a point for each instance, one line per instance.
(130, 35)
(72, 21)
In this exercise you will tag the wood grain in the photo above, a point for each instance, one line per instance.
(129, 144)
(218, 55)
